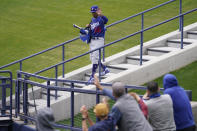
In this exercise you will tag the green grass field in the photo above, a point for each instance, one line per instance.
(30, 26)
(27, 27)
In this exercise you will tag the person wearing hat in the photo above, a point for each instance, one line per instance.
(101, 111)
(97, 35)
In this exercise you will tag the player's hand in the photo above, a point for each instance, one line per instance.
(99, 12)
(87, 25)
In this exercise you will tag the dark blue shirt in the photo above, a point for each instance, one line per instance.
(107, 124)
(112, 120)
(98, 26)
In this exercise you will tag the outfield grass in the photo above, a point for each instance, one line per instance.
(27, 27)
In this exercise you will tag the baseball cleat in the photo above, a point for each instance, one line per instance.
(91, 80)
(105, 72)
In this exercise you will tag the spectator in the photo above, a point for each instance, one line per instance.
(182, 108)
(160, 109)
(141, 103)
(101, 111)
(44, 120)
(130, 118)
(108, 92)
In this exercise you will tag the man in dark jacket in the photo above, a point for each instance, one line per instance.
(181, 105)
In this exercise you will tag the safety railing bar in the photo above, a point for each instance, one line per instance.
(120, 21)
(77, 89)
(60, 88)
(39, 53)
(67, 127)
(33, 75)
(77, 81)
(76, 38)
(53, 124)
(163, 22)
(59, 80)
(6, 71)
(63, 62)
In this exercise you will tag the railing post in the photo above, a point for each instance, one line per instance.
(63, 58)
(180, 12)
(104, 54)
(182, 31)
(25, 100)
(142, 38)
(21, 64)
(72, 105)
(97, 95)
(11, 95)
(3, 96)
(17, 101)
(48, 94)
(126, 90)
(56, 75)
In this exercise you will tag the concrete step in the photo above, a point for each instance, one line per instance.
(76, 85)
(52, 94)
(136, 59)
(87, 76)
(158, 51)
(192, 34)
(40, 103)
(177, 42)
(122, 67)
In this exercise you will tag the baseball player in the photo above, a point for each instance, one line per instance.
(97, 34)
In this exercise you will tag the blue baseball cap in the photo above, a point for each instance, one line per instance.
(94, 9)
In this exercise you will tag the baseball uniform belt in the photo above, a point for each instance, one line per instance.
(96, 38)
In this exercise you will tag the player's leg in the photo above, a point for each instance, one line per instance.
(100, 43)
(105, 69)
(94, 59)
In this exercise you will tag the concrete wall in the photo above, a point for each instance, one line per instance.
(194, 110)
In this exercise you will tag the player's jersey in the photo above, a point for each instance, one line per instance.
(98, 26)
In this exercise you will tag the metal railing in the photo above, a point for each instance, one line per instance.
(6, 82)
(25, 82)
(76, 38)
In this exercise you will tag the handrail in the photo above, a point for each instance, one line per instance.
(4, 86)
(123, 38)
(39, 52)
(73, 81)
(120, 21)
(76, 38)
(70, 90)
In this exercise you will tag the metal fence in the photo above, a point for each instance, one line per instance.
(23, 78)
(5, 83)
(25, 82)
(62, 45)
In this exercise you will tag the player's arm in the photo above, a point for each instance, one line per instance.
(99, 12)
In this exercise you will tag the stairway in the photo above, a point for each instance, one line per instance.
(160, 56)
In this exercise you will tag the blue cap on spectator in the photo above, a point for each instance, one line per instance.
(94, 9)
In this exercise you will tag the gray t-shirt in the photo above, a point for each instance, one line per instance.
(132, 118)
(160, 113)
